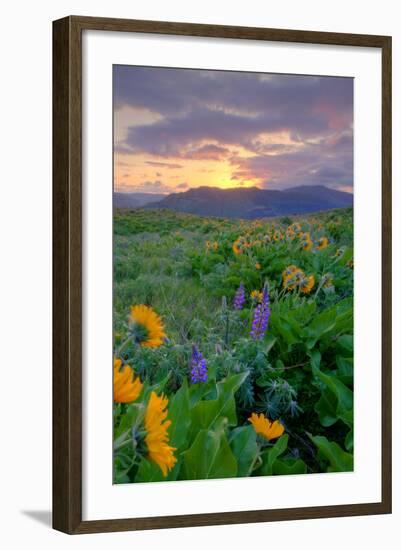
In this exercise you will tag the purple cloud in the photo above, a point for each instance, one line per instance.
(206, 115)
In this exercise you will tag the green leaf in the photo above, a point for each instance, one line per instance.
(150, 471)
(210, 457)
(269, 342)
(205, 413)
(345, 371)
(178, 413)
(343, 394)
(198, 391)
(326, 408)
(245, 449)
(349, 441)
(289, 466)
(282, 326)
(340, 461)
(128, 419)
(345, 344)
(334, 320)
(270, 455)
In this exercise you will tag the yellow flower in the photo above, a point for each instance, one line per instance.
(306, 241)
(215, 245)
(264, 427)
(157, 438)
(292, 275)
(146, 326)
(327, 280)
(306, 284)
(126, 387)
(236, 247)
(322, 243)
(258, 266)
(296, 227)
(350, 264)
(256, 295)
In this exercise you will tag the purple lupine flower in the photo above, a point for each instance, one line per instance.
(239, 298)
(261, 317)
(198, 366)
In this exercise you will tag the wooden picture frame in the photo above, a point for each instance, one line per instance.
(67, 273)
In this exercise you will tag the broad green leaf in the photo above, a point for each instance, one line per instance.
(150, 471)
(178, 413)
(340, 390)
(346, 345)
(344, 396)
(244, 446)
(281, 327)
(289, 466)
(340, 461)
(270, 455)
(210, 457)
(129, 417)
(205, 413)
(345, 371)
(349, 441)
(269, 341)
(198, 391)
(326, 408)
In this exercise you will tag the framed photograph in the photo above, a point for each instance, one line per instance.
(222, 275)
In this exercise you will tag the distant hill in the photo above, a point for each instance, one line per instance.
(135, 200)
(252, 202)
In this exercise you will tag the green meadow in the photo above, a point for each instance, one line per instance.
(255, 358)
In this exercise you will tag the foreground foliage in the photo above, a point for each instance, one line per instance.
(238, 340)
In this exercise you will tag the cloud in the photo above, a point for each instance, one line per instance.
(278, 130)
(208, 152)
(152, 186)
(171, 92)
(329, 164)
(171, 137)
(163, 164)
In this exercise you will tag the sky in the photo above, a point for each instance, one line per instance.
(175, 129)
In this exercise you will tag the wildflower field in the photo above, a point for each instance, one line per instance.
(233, 345)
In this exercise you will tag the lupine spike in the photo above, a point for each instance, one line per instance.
(239, 298)
(261, 316)
(198, 366)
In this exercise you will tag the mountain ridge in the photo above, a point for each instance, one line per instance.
(253, 202)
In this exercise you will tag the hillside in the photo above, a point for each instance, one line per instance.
(251, 203)
(135, 200)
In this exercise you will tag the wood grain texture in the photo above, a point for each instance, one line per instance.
(67, 277)
(67, 273)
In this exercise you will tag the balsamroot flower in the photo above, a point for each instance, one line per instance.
(306, 284)
(327, 281)
(306, 241)
(256, 295)
(198, 366)
(265, 427)
(322, 243)
(239, 298)
(157, 438)
(126, 387)
(146, 326)
(292, 276)
(261, 317)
